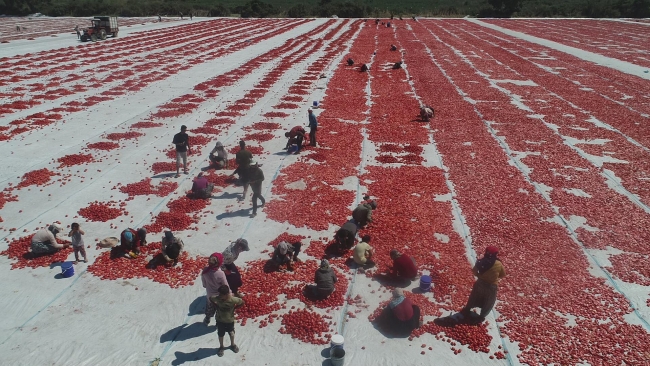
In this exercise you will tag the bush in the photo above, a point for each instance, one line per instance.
(342, 10)
(255, 9)
(219, 11)
(297, 11)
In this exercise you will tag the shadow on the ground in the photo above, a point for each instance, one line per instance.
(243, 212)
(185, 332)
(197, 306)
(197, 355)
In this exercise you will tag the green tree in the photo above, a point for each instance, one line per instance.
(297, 11)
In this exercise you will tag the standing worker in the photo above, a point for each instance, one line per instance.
(243, 159)
(212, 278)
(489, 270)
(313, 126)
(256, 177)
(76, 28)
(182, 143)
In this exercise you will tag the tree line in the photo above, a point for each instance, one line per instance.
(327, 8)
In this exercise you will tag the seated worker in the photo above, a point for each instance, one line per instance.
(403, 317)
(44, 241)
(350, 61)
(362, 253)
(397, 65)
(131, 241)
(325, 280)
(403, 265)
(345, 236)
(201, 188)
(221, 159)
(426, 113)
(362, 215)
(393, 47)
(170, 250)
(295, 136)
(286, 253)
(364, 68)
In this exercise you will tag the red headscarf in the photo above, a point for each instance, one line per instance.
(215, 267)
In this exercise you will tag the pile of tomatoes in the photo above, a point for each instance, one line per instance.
(19, 250)
(102, 211)
(307, 326)
(74, 159)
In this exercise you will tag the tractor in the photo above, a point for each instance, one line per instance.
(101, 28)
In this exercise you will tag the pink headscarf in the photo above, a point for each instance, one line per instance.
(216, 267)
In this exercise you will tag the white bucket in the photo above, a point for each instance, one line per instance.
(337, 341)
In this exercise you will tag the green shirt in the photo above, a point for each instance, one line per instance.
(226, 308)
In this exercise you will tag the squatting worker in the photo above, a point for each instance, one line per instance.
(489, 270)
(426, 113)
(44, 241)
(182, 143)
(201, 187)
(362, 214)
(313, 126)
(220, 160)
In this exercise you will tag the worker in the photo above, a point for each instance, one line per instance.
(363, 68)
(403, 265)
(191, 15)
(243, 159)
(346, 235)
(391, 17)
(182, 142)
(159, 18)
(44, 241)
(402, 317)
(363, 252)
(76, 28)
(171, 249)
(397, 65)
(414, 18)
(201, 187)
(426, 113)
(285, 254)
(313, 127)
(362, 215)
(393, 47)
(230, 255)
(220, 160)
(388, 25)
(350, 61)
(376, 21)
(255, 179)
(325, 280)
(295, 137)
(212, 277)
(131, 241)
(488, 270)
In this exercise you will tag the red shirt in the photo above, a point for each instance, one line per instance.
(295, 131)
(405, 266)
(404, 311)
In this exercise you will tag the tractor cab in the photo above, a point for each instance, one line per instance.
(100, 28)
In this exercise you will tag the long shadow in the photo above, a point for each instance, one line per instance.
(244, 212)
(226, 196)
(197, 306)
(185, 332)
(392, 281)
(199, 354)
(165, 175)
(385, 325)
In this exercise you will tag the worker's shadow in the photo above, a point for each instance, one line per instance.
(226, 196)
(199, 354)
(385, 324)
(185, 332)
(244, 212)
(197, 306)
(163, 175)
(392, 281)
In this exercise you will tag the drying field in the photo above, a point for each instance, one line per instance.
(540, 145)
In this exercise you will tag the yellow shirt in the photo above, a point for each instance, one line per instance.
(359, 253)
(493, 274)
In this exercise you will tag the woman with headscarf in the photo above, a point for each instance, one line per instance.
(404, 317)
(325, 280)
(44, 241)
(171, 248)
(220, 160)
(489, 270)
(131, 241)
(230, 255)
(286, 253)
(212, 278)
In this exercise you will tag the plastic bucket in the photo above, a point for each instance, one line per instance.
(337, 341)
(337, 356)
(293, 149)
(315, 103)
(67, 269)
(425, 283)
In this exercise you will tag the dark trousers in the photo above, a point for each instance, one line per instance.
(312, 136)
(299, 140)
(256, 187)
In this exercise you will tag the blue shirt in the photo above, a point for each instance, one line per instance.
(312, 121)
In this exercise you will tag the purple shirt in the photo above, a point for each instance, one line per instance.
(200, 184)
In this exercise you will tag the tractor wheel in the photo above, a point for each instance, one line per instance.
(102, 34)
(93, 37)
(85, 38)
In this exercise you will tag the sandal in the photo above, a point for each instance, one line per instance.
(235, 348)
(220, 352)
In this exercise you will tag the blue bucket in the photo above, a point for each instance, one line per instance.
(293, 149)
(425, 283)
(316, 103)
(67, 269)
